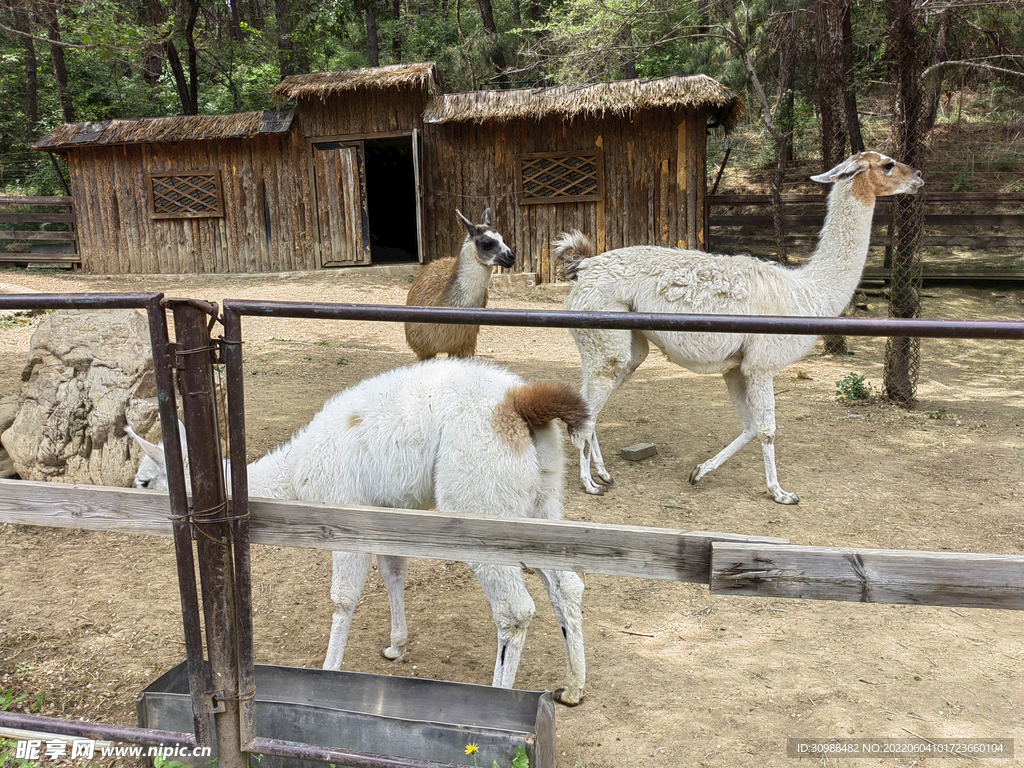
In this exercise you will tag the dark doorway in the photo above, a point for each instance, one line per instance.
(391, 200)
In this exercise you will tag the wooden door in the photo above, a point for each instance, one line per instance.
(417, 181)
(339, 181)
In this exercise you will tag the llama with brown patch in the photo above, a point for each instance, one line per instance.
(647, 278)
(461, 436)
(457, 281)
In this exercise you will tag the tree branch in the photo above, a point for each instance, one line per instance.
(972, 65)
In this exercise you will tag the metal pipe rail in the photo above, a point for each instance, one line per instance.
(152, 304)
(168, 358)
(843, 326)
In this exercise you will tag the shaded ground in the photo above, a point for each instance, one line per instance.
(677, 676)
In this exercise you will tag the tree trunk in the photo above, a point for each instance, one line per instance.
(497, 56)
(193, 57)
(372, 41)
(152, 15)
(629, 62)
(910, 128)
(850, 87)
(933, 87)
(831, 101)
(832, 105)
(396, 36)
(788, 48)
(178, 73)
(285, 48)
(23, 23)
(186, 82)
(60, 70)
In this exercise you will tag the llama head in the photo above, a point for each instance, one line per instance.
(872, 175)
(490, 246)
(152, 471)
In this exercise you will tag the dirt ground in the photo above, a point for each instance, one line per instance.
(677, 676)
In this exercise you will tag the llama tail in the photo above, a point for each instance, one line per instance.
(541, 403)
(572, 248)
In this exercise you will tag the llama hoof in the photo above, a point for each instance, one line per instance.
(696, 474)
(785, 497)
(594, 489)
(563, 697)
(392, 654)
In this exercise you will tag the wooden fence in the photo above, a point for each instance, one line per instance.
(34, 244)
(731, 563)
(727, 562)
(948, 235)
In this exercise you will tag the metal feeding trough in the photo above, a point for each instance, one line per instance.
(399, 716)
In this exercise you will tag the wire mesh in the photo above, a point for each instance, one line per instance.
(903, 355)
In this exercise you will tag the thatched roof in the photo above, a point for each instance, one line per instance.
(597, 99)
(325, 84)
(149, 130)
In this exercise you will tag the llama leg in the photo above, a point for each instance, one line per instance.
(565, 590)
(513, 608)
(737, 385)
(608, 358)
(347, 580)
(394, 571)
(761, 401)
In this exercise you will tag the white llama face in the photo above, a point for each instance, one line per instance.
(491, 250)
(874, 174)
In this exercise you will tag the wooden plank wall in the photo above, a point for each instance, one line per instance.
(653, 165)
(356, 114)
(377, 110)
(269, 223)
(258, 232)
(654, 183)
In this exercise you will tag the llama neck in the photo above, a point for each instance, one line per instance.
(469, 279)
(835, 268)
(268, 478)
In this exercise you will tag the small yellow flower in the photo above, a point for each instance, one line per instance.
(472, 749)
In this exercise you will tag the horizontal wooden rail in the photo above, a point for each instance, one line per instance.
(20, 216)
(869, 575)
(650, 553)
(1010, 198)
(56, 201)
(38, 218)
(880, 220)
(733, 563)
(13, 234)
(43, 258)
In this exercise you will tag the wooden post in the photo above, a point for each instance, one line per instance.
(210, 522)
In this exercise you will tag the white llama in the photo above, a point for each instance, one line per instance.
(668, 280)
(457, 281)
(463, 436)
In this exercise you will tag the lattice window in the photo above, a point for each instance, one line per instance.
(559, 177)
(185, 195)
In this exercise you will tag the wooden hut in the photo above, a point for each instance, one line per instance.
(622, 161)
(370, 165)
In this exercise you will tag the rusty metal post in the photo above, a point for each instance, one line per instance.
(210, 521)
(163, 363)
(232, 357)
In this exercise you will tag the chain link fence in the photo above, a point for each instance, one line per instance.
(904, 257)
(905, 254)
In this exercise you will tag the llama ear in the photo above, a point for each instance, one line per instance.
(485, 219)
(155, 452)
(181, 438)
(469, 225)
(845, 170)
